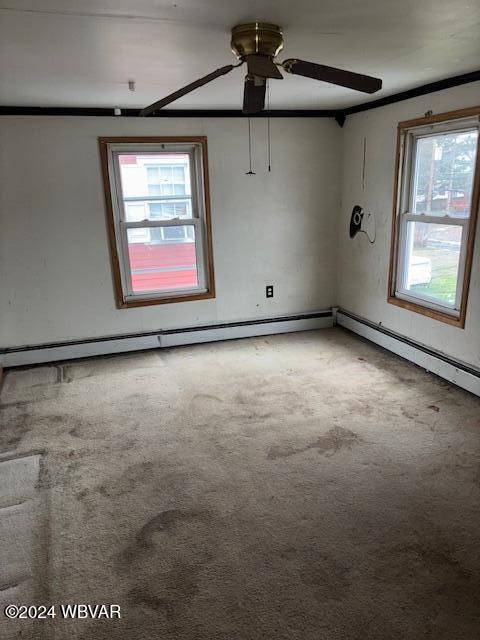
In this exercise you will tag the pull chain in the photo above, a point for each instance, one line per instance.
(364, 162)
(250, 172)
(268, 126)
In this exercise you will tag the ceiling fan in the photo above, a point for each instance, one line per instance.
(257, 44)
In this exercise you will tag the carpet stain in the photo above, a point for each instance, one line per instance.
(408, 413)
(202, 398)
(476, 476)
(85, 430)
(288, 552)
(327, 444)
(206, 409)
(434, 407)
(249, 408)
(396, 368)
(163, 522)
(55, 419)
(13, 431)
(437, 553)
(327, 578)
(270, 400)
(357, 407)
(17, 404)
(169, 592)
(141, 473)
(431, 560)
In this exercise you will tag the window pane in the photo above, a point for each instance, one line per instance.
(155, 210)
(444, 170)
(134, 211)
(174, 233)
(154, 174)
(166, 173)
(166, 189)
(142, 209)
(179, 173)
(432, 260)
(155, 190)
(163, 258)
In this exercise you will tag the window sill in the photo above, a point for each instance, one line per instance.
(146, 302)
(456, 321)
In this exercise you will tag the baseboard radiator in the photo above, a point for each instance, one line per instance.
(57, 351)
(461, 374)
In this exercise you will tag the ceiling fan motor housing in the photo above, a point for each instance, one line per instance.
(257, 44)
(259, 38)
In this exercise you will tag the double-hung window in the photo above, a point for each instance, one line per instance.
(159, 219)
(436, 206)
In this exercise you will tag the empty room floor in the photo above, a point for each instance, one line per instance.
(307, 485)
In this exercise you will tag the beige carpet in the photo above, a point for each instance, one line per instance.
(305, 486)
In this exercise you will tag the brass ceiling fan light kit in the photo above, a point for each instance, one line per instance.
(257, 44)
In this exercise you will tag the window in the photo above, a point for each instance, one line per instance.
(435, 214)
(159, 219)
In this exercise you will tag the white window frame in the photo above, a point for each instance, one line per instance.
(406, 190)
(195, 151)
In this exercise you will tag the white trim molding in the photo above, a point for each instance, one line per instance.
(57, 351)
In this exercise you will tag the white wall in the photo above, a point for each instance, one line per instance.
(363, 268)
(279, 228)
(273, 228)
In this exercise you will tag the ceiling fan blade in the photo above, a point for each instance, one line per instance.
(254, 94)
(189, 87)
(348, 79)
(262, 66)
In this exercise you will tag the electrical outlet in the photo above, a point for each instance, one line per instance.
(269, 291)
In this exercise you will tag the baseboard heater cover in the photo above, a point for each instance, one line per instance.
(459, 373)
(57, 351)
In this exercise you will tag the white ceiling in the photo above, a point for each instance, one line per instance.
(72, 53)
